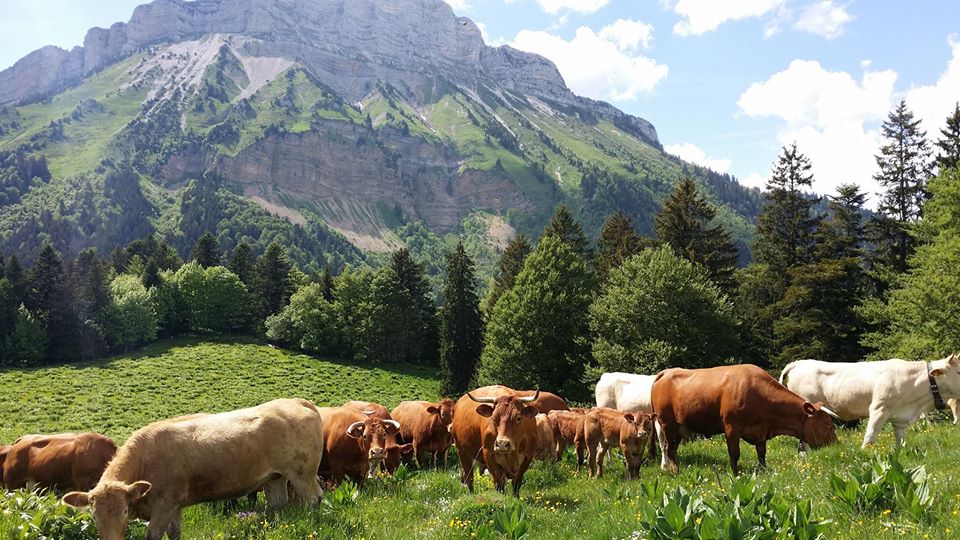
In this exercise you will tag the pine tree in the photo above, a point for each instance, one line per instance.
(8, 319)
(949, 144)
(387, 332)
(151, 274)
(683, 224)
(511, 262)
(242, 263)
(904, 163)
(52, 300)
(568, 230)
(3, 264)
(15, 274)
(784, 235)
(207, 251)
(461, 331)
(118, 260)
(90, 280)
(327, 285)
(412, 277)
(272, 282)
(618, 241)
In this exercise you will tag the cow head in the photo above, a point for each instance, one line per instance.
(947, 373)
(394, 455)
(507, 415)
(636, 434)
(445, 410)
(373, 434)
(817, 428)
(111, 504)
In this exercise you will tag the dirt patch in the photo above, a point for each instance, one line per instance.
(289, 214)
(499, 232)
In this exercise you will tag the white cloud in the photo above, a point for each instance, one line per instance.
(458, 5)
(824, 18)
(628, 34)
(702, 16)
(830, 115)
(580, 6)
(932, 104)
(754, 179)
(594, 64)
(694, 154)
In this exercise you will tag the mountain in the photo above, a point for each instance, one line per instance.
(347, 127)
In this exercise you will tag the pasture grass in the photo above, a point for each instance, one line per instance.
(175, 377)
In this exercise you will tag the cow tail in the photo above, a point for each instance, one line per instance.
(786, 371)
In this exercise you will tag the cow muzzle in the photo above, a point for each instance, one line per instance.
(376, 454)
(503, 446)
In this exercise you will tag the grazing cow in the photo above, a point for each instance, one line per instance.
(393, 452)
(625, 392)
(426, 426)
(546, 443)
(169, 465)
(355, 443)
(568, 430)
(741, 402)
(633, 433)
(500, 425)
(895, 391)
(68, 461)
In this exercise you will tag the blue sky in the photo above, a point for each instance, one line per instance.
(726, 82)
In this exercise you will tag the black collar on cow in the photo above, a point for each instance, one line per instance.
(935, 390)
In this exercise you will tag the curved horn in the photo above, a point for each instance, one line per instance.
(528, 399)
(394, 423)
(831, 413)
(353, 426)
(368, 413)
(481, 400)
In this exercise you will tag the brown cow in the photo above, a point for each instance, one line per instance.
(545, 401)
(631, 432)
(568, 430)
(354, 441)
(68, 461)
(169, 465)
(426, 426)
(741, 402)
(546, 443)
(3, 457)
(394, 452)
(501, 425)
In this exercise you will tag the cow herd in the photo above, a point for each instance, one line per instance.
(288, 447)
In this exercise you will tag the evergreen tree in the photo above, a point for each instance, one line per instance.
(683, 224)
(15, 274)
(26, 345)
(563, 226)
(272, 281)
(151, 274)
(618, 241)
(949, 143)
(327, 285)
(461, 333)
(118, 260)
(511, 262)
(52, 300)
(242, 263)
(8, 318)
(904, 163)
(90, 280)
(412, 277)
(3, 264)
(538, 335)
(784, 235)
(206, 252)
(388, 332)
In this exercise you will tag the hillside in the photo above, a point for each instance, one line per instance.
(343, 119)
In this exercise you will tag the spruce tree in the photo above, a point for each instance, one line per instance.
(412, 276)
(327, 284)
(151, 274)
(272, 281)
(207, 251)
(3, 264)
(242, 263)
(8, 319)
(618, 241)
(14, 273)
(90, 280)
(563, 226)
(949, 143)
(511, 262)
(461, 330)
(52, 300)
(904, 163)
(683, 224)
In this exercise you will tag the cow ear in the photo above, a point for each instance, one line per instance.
(530, 412)
(485, 410)
(355, 430)
(77, 499)
(406, 448)
(629, 418)
(138, 490)
(809, 408)
(433, 410)
(954, 359)
(939, 372)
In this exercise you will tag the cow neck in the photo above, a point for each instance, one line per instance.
(791, 412)
(935, 390)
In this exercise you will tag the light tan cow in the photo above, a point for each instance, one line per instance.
(546, 443)
(172, 464)
(633, 433)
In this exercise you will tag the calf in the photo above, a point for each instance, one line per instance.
(625, 391)
(546, 443)
(604, 427)
(68, 461)
(172, 464)
(741, 402)
(895, 391)
(426, 426)
(393, 452)
(354, 441)
(568, 430)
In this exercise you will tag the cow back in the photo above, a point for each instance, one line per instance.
(63, 461)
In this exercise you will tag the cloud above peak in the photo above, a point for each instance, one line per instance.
(824, 18)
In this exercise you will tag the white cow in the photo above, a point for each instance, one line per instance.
(895, 391)
(625, 392)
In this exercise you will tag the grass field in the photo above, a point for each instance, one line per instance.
(119, 395)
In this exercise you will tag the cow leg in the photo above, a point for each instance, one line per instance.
(955, 409)
(518, 479)
(173, 531)
(466, 468)
(874, 425)
(733, 448)
(669, 444)
(579, 449)
(900, 434)
(420, 453)
(761, 454)
(592, 459)
(163, 522)
(603, 454)
(499, 479)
